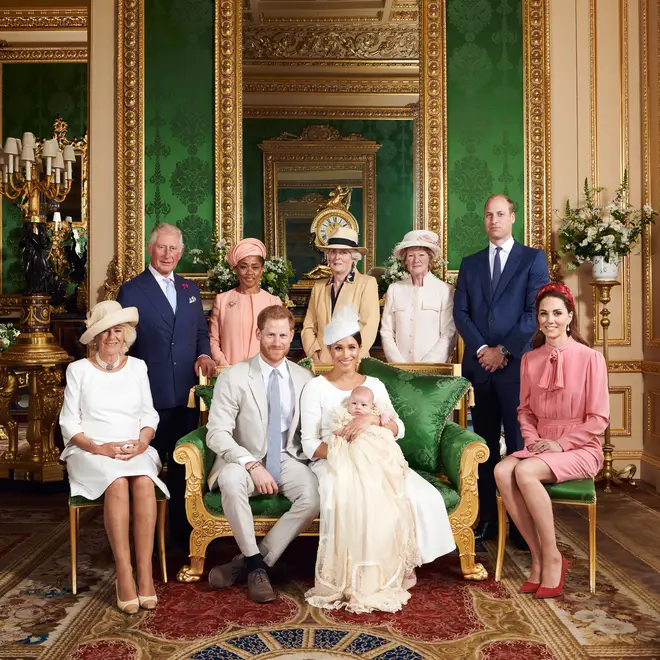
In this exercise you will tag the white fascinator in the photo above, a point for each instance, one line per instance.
(345, 323)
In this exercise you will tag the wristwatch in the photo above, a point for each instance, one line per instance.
(506, 353)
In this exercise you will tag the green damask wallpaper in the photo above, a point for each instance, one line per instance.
(179, 170)
(394, 173)
(485, 130)
(32, 95)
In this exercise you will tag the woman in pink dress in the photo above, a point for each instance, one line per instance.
(564, 407)
(234, 316)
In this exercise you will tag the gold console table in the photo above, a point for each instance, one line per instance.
(37, 358)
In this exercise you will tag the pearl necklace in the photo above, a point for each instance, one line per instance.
(108, 366)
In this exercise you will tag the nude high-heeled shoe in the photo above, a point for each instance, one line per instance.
(148, 602)
(127, 606)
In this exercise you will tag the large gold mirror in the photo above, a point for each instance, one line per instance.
(300, 173)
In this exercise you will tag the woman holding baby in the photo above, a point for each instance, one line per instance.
(379, 519)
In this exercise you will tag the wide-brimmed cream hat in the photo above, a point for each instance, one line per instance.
(106, 315)
(344, 238)
(418, 238)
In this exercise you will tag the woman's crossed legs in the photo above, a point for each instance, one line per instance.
(520, 482)
(116, 515)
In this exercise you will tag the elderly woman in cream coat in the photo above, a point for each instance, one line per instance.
(417, 323)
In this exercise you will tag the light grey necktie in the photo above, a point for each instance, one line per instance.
(497, 269)
(170, 292)
(274, 451)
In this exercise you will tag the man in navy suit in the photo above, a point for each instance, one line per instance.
(173, 339)
(494, 313)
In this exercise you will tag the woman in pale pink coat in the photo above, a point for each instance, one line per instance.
(564, 407)
(233, 319)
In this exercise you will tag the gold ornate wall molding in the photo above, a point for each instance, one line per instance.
(650, 367)
(327, 112)
(346, 42)
(625, 393)
(228, 124)
(431, 135)
(326, 85)
(129, 119)
(536, 58)
(34, 54)
(625, 367)
(44, 19)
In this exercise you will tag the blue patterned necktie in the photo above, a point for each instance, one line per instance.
(274, 451)
(170, 292)
(497, 270)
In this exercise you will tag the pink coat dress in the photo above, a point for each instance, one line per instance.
(564, 397)
(233, 324)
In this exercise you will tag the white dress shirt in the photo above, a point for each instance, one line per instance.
(162, 279)
(286, 400)
(507, 246)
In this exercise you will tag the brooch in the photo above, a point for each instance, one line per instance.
(231, 303)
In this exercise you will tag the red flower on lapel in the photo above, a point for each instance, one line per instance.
(184, 285)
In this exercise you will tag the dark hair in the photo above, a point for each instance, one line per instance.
(572, 330)
(357, 336)
(508, 200)
(275, 313)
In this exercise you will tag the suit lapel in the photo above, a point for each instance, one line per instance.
(156, 297)
(256, 383)
(510, 268)
(484, 273)
(182, 298)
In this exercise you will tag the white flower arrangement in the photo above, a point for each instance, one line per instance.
(8, 335)
(610, 231)
(221, 276)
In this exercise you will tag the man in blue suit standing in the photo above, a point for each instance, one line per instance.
(173, 339)
(494, 313)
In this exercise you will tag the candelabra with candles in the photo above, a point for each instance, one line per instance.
(32, 172)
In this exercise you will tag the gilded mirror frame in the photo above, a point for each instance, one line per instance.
(305, 154)
(432, 139)
(51, 54)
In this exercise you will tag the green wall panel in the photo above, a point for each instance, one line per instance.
(485, 130)
(179, 171)
(32, 95)
(394, 173)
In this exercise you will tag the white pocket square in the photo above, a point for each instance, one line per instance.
(192, 299)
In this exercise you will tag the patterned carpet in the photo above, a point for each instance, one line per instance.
(446, 618)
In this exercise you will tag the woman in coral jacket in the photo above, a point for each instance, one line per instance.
(564, 407)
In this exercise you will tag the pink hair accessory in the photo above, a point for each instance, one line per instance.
(248, 247)
(555, 287)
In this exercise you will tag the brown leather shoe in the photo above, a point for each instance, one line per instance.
(259, 589)
(221, 577)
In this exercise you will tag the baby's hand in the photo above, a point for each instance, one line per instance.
(385, 419)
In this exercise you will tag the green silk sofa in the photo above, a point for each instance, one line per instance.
(443, 452)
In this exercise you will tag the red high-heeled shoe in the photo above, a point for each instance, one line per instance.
(553, 592)
(529, 587)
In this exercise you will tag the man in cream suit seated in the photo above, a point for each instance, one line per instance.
(254, 429)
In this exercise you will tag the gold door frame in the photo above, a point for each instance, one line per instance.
(432, 139)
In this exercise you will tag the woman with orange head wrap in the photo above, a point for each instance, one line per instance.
(234, 315)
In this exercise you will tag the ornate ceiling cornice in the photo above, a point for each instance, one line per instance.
(43, 19)
(28, 54)
(340, 42)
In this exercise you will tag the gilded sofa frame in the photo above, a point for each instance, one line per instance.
(208, 526)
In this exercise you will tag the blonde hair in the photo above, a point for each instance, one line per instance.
(434, 262)
(130, 335)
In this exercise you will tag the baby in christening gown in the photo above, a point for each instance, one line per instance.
(367, 548)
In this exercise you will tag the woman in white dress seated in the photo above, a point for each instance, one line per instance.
(353, 516)
(108, 421)
(418, 321)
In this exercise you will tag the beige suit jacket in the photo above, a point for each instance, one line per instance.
(362, 294)
(238, 419)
